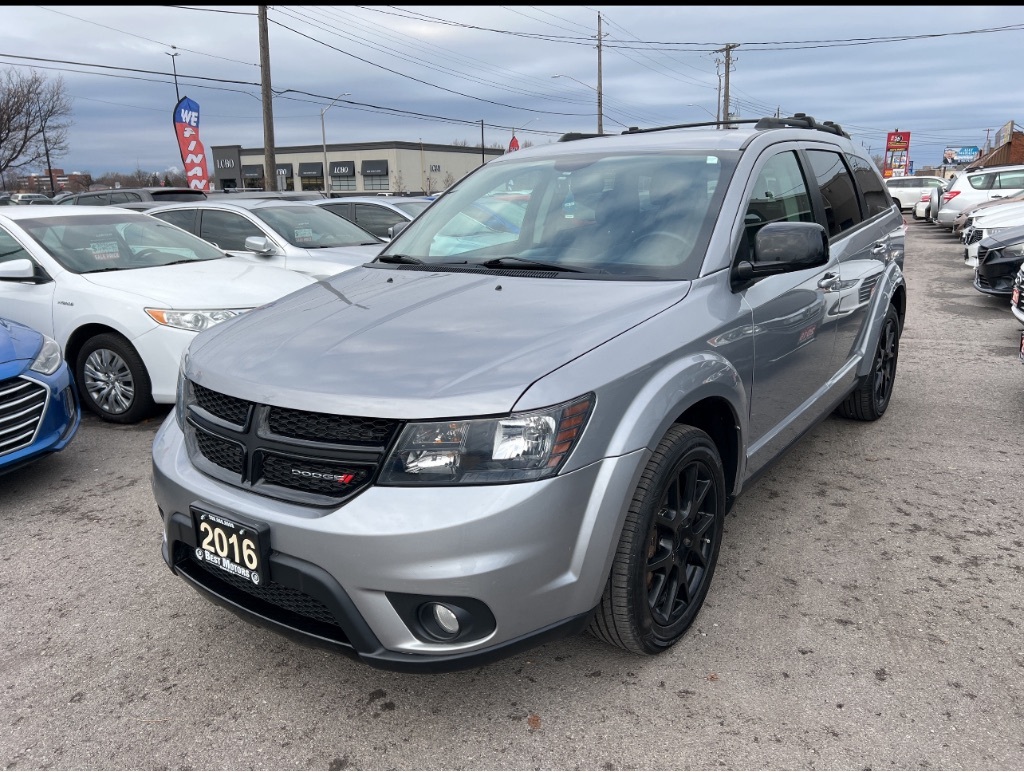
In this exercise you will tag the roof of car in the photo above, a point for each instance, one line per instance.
(232, 202)
(39, 213)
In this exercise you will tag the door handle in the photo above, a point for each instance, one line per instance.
(879, 247)
(829, 282)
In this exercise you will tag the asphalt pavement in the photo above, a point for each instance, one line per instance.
(865, 613)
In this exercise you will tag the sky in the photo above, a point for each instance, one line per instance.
(433, 73)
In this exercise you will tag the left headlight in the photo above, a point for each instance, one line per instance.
(194, 321)
(479, 451)
(48, 359)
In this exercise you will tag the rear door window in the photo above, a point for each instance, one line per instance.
(842, 207)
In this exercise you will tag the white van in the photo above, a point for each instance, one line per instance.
(906, 191)
(975, 187)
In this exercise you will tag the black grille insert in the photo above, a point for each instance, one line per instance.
(323, 427)
(226, 455)
(230, 409)
(327, 479)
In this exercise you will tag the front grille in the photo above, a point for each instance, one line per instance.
(974, 236)
(22, 404)
(281, 604)
(319, 459)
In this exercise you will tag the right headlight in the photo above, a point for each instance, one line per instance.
(479, 451)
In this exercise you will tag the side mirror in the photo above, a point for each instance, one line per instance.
(19, 270)
(397, 228)
(783, 247)
(261, 245)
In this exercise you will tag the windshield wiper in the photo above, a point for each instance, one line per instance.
(399, 259)
(502, 262)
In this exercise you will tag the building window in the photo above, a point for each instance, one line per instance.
(377, 182)
(312, 183)
(343, 183)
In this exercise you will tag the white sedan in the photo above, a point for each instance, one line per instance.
(123, 294)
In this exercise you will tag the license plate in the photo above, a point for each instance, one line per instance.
(238, 548)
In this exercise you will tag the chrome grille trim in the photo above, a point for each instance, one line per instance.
(22, 407)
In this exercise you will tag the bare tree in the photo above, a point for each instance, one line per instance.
(35, 114)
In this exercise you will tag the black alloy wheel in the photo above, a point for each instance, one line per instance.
(868, 402)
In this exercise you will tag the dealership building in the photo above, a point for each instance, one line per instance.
(360, 168)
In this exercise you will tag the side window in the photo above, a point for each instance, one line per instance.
(1010, 180)
(10, 249)
(842, 209)
(226, 229)
(119, 198)
(982, 181)
(96, 199)
(780, 195)
(183, 218)
(376, 219)
(876, 197)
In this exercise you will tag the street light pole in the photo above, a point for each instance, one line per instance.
(323, 137)
(704, 109)
(175, 68)
(600, 101)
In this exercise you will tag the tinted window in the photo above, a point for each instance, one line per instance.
(780, 195)
(177, 195)
(183, 218)
(376, 219)
(226, 229)
(876, 197)
(842, 209)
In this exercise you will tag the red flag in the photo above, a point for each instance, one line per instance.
(513, 145)
(193, 154)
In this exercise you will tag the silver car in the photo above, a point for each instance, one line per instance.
(494, 435)
(286, 233)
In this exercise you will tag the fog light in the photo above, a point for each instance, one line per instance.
(446, 619)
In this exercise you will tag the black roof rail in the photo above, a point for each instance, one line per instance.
(801, 121)
(797, 120)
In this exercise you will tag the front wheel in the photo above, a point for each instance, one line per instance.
(112, 380)
(869, 400)
(668, 548)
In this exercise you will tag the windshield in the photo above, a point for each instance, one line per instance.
(311, 227)
(643, 215)
(116, 242)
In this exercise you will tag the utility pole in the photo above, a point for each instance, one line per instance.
(269, 158)
(175, 68)
(483, 158)
(600, 89)
(727, 50)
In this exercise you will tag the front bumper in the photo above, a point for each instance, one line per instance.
(533, 556)
(58, 424)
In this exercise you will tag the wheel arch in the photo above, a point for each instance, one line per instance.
(81, 334)
(716, 417)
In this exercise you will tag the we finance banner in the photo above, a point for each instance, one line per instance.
(193, 154)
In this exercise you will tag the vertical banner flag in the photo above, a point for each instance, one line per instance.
(897, 154)
(514, 144)
(193, 154)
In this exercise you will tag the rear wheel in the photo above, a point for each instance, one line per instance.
(668, 548)
(869, 400)
(112, 379)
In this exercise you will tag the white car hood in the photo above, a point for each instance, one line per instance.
(230, 282)
(1006, 217)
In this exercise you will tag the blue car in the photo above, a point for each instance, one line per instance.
(39, 409)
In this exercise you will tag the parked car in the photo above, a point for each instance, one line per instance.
(966, 216)
(123, 196)
(291, 195)
(29, 198)
(39, 409)
(288, 234)
(907, 191)
(1017, 304)
(999, 259)
(435, 460)
(975, 187)
(993, 223)
(123, 294)
(377, 214)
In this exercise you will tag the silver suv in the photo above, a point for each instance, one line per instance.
(511, 428)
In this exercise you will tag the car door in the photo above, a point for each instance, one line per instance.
(793, 350)
(27, 301)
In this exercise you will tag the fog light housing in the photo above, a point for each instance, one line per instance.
(437, 619)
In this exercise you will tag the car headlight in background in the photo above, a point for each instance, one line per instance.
(478, 451)
(194, 321)
(48, 359)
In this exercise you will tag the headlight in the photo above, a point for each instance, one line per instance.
(1014, 250)
(194, 321)
(48, 359)
(179, 394)
(481, 451)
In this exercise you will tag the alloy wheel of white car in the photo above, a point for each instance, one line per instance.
(112, 380)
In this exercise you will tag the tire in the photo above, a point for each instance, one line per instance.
(870, 399)
(673, 529)
(112, 380)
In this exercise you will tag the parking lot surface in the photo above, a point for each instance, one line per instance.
(865, 613)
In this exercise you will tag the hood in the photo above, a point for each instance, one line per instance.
(414, 344)
(354, 255)
(230, 282)
(997, 216)
(18, 341)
